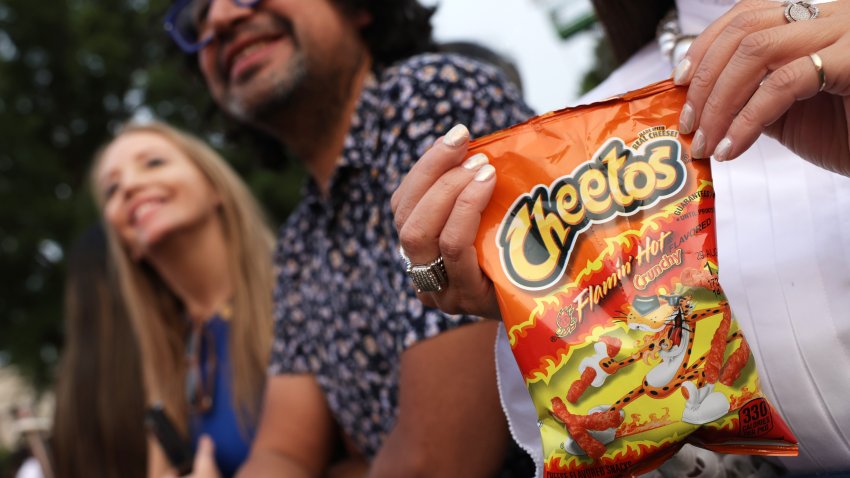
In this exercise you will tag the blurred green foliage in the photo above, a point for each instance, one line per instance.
(70, 72)
(576, 17)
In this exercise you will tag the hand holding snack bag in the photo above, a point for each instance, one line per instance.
(600, 242)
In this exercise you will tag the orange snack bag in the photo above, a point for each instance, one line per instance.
(600, 242)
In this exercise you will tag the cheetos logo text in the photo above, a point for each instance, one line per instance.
(537, 235)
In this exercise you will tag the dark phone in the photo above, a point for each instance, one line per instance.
(177, 450)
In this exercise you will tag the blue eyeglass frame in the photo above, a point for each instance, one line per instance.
(170, 24)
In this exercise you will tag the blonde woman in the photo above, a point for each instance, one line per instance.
(193, 259)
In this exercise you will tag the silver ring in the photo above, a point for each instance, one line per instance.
(431, 277)
(798, 11)
(816, 59)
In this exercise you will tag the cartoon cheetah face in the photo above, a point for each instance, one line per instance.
(651, 322)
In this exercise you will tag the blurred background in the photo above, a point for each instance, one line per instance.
(72, 70)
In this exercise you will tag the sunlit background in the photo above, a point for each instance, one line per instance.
(531, 34)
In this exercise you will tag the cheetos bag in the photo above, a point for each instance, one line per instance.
(600, 241)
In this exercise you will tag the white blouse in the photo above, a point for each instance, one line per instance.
(783, 230)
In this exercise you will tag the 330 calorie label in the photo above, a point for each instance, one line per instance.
(756, 418)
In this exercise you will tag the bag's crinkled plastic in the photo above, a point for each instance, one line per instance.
(600, 241)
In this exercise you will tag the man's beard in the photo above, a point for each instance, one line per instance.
(285, 86)
(303, 99)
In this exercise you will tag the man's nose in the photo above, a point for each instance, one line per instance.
(223, 14)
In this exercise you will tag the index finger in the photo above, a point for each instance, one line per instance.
(684, 71)
(769, 51)
(443, 156)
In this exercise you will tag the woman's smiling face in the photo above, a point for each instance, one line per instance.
(151, 190)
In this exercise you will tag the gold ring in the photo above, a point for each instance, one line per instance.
(816, 59)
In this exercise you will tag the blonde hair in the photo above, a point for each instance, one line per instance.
(155, 311)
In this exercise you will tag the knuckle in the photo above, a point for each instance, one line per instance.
(399, 222)
(780, 80)
(744, 22)
(413, 237)
(450, 246)
(748, 117)
(755, 45)
(702, 79)
(446, 182)
(839, 83)
(465, 205)
(713, 107)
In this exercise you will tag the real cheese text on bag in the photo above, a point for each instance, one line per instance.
(600, 241)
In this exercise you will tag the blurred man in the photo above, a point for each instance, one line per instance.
(347, 87)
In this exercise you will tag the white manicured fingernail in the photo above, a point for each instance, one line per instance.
(486, 172)
(721, 153)
(456, 136)
(686, 119)
(698, 145)
(680, 74)
(475, 161)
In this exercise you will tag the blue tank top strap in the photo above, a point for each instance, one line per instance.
(220, 420)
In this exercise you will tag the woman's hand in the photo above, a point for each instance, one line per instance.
(437, 210)
(204, 464)
(751, 72)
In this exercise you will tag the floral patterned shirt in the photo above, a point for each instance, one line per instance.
(344, 308)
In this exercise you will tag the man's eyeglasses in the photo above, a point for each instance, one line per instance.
(186, 23)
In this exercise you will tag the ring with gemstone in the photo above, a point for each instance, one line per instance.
(798, 11)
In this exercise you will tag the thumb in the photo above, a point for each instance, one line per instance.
(204, 465)
(206, 447)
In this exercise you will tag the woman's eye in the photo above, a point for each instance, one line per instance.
(109, 191)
